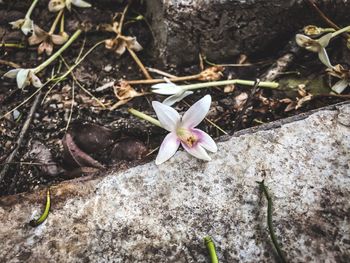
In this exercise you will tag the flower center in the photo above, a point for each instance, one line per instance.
(186, 136)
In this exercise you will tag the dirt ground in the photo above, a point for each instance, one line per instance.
(102, 138)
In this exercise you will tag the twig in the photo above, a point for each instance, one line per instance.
(71, 108)
(160, 72)
(9, 63)
(139, 63)
(208, 241)
(278, 67)
(238, 119)
(20, 139)
(269, 221)
(326, 19)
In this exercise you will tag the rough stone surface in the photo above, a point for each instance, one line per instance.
(161, 214)
(222, 29)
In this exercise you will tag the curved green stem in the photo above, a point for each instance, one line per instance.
(208, 241)
(145, 117)
(43, 217)
(31, 8)
(269, 222)
(262, 84)
(341, 31)
(58, 52)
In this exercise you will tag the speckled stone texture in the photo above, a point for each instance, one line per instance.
(223, 29)
(161, 214)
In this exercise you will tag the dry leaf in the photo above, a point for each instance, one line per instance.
(240, 101)
(211, 74)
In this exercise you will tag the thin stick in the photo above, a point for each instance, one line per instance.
(12, 45)
(326, 19)
(81, 86)
(269, 221)
(20, 139)
(71, 108)
(139, 63)
(9, 63)
(121, 21)
(160, 72)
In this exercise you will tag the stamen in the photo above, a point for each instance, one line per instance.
(187, 137)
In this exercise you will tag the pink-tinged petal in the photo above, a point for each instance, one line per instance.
(205, 140)
(171, 100)
(168, 117)
(168, 148)
(197, 112)
(197, 151)
(166, 88)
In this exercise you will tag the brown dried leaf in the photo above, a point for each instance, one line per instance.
(124, 91)
(211, 74)
(240, 101)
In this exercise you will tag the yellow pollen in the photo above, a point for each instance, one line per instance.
(186, 136)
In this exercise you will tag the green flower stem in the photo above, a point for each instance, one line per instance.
(43, 217)
(31, 8)
(144, 117)
(55, 22)
(269, 221)
(211, 249)
(262, 84)
(58, 53)
(341, 31)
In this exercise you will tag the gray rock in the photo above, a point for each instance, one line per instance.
(161, 214)
(222, 29)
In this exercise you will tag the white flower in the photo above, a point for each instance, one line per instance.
(317, 46)
(182, 130)
(25, 24)
(177, 93)
(57, 5)
(24, 77)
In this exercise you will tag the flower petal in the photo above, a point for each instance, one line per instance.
(34, 80)
(22, 78)
(205, 140)
(176, 98)
(197, 151)
(59, 39)
(80, 3)
(324, 41)
(28, 26)
(197, 112)
(12, 73)
(166, 88)
(168, 117)
(323, 56)
(38, 36)
(56, 5)
(17, 24)
(168, 148)
(340, 86)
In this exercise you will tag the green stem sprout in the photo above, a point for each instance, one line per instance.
(42, 218)
(31, 8)
(208, 241)
(144, 117)
(262, 84)
(269, 221)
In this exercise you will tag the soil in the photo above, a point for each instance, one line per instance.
(114, 139)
